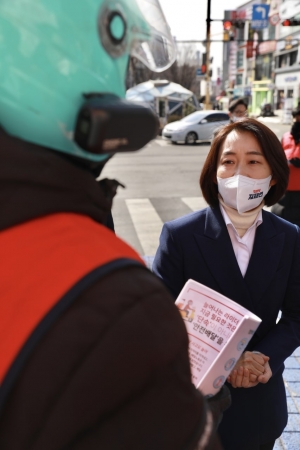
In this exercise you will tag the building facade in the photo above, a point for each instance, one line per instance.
(263, 65)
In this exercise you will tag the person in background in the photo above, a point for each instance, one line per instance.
(288, 207)
(237, 109)
(93, 351)
(250, 255)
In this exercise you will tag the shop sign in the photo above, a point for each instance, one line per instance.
(247, 91)
(236, 14)
(287, 111)
(290, 79)
(238, 91)
(266, 47)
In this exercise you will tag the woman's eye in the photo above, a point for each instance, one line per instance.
(227, 161)
(253, 161)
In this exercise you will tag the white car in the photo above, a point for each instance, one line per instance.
(196, 127)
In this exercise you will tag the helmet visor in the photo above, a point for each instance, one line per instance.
(138, 28)
(155, 45)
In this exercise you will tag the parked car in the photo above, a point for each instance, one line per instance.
(196, 127)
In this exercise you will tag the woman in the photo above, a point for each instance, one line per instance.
(251, 256)
(288, 206)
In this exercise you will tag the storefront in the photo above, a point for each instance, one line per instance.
(287, 78)
(263, 86)
(287, 86)
(262, 93)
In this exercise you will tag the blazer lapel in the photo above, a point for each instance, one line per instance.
(216, 248)
(265, 258)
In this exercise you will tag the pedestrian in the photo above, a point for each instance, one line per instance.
(93, 352)
(288, 207)
(250, 255)
(237, 109)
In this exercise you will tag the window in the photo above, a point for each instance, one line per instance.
(162, 108)
(216, 117)
(263, 67)
(223, 117)
(240, 58)
(282, 61)
(239, 79)
(293, 58)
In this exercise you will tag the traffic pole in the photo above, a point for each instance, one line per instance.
(207, 77)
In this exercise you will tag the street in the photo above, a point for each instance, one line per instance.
(162, 183)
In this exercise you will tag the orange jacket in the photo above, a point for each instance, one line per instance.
(292, 151)
(44, 263)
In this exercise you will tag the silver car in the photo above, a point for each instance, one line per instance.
(196, 127)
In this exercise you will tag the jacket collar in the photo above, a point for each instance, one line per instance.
(216, 247)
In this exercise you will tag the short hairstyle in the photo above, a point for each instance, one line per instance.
(235, 103)
(296, 111)
(271, 148)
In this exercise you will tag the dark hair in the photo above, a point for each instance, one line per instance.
(235, 103)
(271, 148)
(296, 111)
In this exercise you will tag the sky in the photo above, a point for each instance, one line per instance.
(187, 19)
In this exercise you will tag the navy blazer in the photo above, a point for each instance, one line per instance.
(198, 246)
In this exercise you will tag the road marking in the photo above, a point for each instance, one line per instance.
(161, 142)
(195, 203)
(147, 223)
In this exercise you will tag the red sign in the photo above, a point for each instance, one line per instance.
(240, 14)
(274, 19)
(249, 49)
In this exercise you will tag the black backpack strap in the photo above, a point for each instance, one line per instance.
(60, 307)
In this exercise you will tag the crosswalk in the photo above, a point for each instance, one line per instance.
(139, 221)
(160, 142)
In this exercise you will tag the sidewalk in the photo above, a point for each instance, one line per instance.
(290, 438)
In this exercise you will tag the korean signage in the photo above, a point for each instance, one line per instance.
(250, 49)
(260, 16)
(266, 47)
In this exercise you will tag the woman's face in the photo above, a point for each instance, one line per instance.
(241, 154)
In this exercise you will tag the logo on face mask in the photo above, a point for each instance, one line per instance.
(257, 193)
(243, 193)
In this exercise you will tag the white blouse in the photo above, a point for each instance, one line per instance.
(242, 246)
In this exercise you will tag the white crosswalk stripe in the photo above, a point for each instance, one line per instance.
(147, 223)
(139, 222)
(160, 142)
(195, 203)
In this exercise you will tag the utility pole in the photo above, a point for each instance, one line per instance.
(207, 78)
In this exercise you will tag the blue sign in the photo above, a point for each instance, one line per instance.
(260, 16)
(198, 72)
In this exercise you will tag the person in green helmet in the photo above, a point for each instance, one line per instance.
(93, 352)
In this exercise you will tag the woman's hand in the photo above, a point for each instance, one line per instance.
(267, 375)
(250, 369)
(241, 378)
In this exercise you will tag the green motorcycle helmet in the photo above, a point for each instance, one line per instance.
(63, 67)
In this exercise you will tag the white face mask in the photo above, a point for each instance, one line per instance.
(237, 118)
(243, 193)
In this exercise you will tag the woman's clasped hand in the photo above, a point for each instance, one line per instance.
(250, 370)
